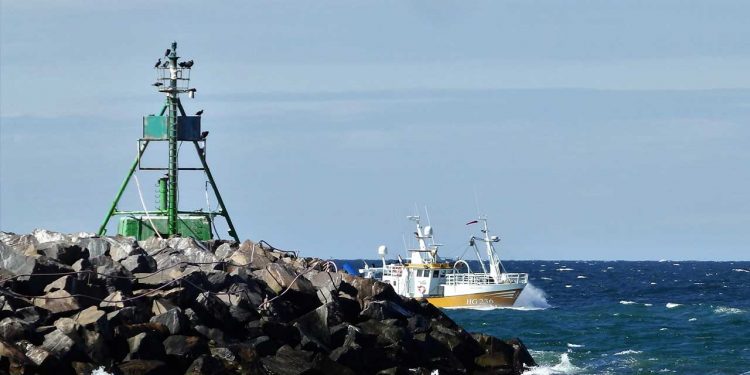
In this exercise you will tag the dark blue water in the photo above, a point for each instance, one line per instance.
(589, 317)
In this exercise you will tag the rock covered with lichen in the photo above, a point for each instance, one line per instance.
(72, 303)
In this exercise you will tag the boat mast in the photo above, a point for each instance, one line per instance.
(494, 260)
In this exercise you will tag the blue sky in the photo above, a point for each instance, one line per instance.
(588, 130)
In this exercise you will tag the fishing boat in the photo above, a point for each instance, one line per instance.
(450, 284)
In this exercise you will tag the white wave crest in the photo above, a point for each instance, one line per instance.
(692, 319)
(532, 298)
(628, 352)
(575, 345)
(564, 367)
(740, 270)
(581, 277)
(627, 302)
(563, 269)
(728, 310)
(100, 371)
(671, 305)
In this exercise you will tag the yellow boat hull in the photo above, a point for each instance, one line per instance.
(482, 300)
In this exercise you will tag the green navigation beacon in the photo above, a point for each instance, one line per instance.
(173, 126)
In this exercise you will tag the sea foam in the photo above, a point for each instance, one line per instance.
(728, 310)
(628, 352)
(671, 305)
(564, 367)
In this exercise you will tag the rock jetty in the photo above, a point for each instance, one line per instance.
(73, 303)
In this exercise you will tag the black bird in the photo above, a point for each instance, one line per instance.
(181, 64)
(204, 134)
(166, 64)
(199, 113)
(167, 52)
(189, 64)
(157, 84)
(157, 63)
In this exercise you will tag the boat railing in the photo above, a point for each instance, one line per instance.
(485, 278)
(393, 270)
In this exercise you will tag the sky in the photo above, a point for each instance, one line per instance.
(599, 130)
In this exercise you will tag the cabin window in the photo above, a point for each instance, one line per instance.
(435, 273)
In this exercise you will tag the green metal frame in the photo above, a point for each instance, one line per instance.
(168, 186)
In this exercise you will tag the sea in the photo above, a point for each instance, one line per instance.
(627, 317)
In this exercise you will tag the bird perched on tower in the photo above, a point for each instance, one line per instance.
(158, 62)
(204, 134)
(167, 52)
(199, 113)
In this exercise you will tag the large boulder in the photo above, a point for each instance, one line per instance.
(65, 252)
(288, 361)
(279, 277)
(145, 345)
(13, 329)
(58, 302)
(175, 321)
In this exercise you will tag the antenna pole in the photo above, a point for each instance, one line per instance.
(173, 104)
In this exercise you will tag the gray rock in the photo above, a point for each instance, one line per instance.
(33, 315)
(213, 312)
(224, 354)
(288, 361)
(14, 329)
(250, 255)
(139, 263)
(206, 364)
(21, 243)
(113, 300)
(217, 280)
(96, 347)
(58, 344)
(279, 277)
(371, 288)
(122, 247)
(66, 283)
(37, 355)
(82, 265)
(264, 345)
(65, 252)
(16, 358)
(57, 302)
(224, 251)
(381, 310)
(95, 246)
(145, 345)
(213, 334)
(185, 347)
(175, 321)
(93, 319)
(313, 328)
(143, 367)
(15, 262)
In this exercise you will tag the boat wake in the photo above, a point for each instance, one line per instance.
(532, 298)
